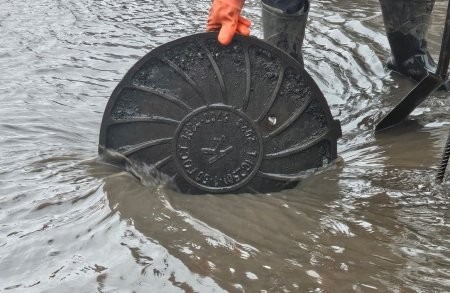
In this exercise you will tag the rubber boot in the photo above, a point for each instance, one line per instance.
(406, 23)
(285, 28)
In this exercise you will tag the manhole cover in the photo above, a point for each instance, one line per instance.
(240, 118)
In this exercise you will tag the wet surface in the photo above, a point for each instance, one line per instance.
(182, 101)
(374, 222)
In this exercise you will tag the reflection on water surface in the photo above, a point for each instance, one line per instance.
(374, 222)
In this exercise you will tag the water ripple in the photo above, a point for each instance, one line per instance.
(375, 221)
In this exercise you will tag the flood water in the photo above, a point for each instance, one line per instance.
(376, 221)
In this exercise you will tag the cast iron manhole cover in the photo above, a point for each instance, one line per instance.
(240, 118)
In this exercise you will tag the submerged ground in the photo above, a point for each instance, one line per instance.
(376, 222)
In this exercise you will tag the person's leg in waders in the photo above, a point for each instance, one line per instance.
(406, 23)
(284, 23)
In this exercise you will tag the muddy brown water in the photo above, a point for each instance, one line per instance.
(374, 222)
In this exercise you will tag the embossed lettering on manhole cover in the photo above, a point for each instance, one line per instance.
(218, 148)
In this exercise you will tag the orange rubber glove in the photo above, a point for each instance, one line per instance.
(225, 15)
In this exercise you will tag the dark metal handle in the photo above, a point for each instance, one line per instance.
(444, 162)
(444, 56)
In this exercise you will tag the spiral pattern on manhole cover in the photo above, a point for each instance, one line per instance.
(239, 118)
